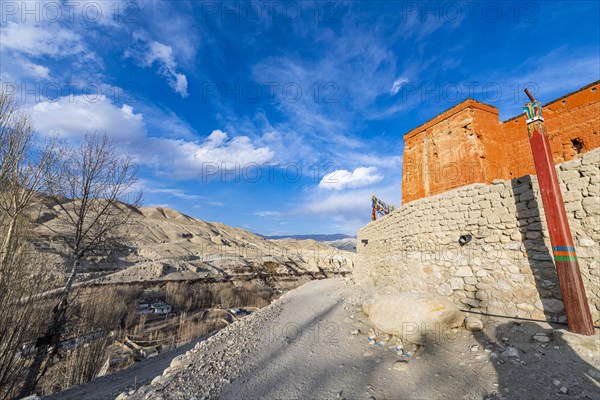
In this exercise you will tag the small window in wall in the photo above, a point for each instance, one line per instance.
(577, 145)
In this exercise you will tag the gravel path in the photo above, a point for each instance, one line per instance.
(306, 346)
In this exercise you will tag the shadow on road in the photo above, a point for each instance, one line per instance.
(541, 370)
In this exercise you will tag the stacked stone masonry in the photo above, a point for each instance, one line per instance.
(507, 267)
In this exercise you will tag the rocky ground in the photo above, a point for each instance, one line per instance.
(314, 342)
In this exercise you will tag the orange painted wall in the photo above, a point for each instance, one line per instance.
(468, 143)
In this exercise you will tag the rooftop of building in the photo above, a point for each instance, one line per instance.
(472, 103)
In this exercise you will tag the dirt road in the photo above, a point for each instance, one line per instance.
(312, 343)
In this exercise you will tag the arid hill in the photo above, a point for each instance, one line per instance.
(166, 245)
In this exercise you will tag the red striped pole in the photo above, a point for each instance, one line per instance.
(577, 309)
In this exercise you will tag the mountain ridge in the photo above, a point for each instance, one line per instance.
(168, 245)
(319, 237)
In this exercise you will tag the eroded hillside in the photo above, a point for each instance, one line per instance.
(166, 245)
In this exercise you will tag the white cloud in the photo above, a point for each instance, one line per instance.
(163, 55)
(340, 203)
(214, 157)
(24, 44)
(341, 179)
(36, 70)
(217, 137)
(15, 68)
(351, 209)
(73, 116)
(40, 40)
(147, 52)
(397, 85)
(217, 157)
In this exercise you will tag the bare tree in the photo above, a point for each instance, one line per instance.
(22, 273)
(24, 171)
(93, 193)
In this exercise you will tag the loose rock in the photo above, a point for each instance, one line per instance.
(473, 324)
(157, 380)
(510, 352)
(400, 366)
(542, 337)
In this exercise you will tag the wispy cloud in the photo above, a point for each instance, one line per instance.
(171, 192)
(270, 214)
(40, 39)
(397, 85)
(147, 52)
(160, 205)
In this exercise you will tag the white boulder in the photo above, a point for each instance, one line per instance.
(416, 317)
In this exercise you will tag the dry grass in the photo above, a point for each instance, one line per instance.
(23, 275)
(185, 297)
(98, 317)
(101, 316)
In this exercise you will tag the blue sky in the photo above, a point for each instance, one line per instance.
(282, 117)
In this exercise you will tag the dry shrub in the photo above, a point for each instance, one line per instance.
(106, 309)
(226, 295)
(24, 315)
(177, 294)
(271, 267)
(78, 366)
(185, 297)
(190, 329)
(97, 318)
(101, 315)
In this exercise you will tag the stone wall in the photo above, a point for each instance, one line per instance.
(468, 143)
(507, 267)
